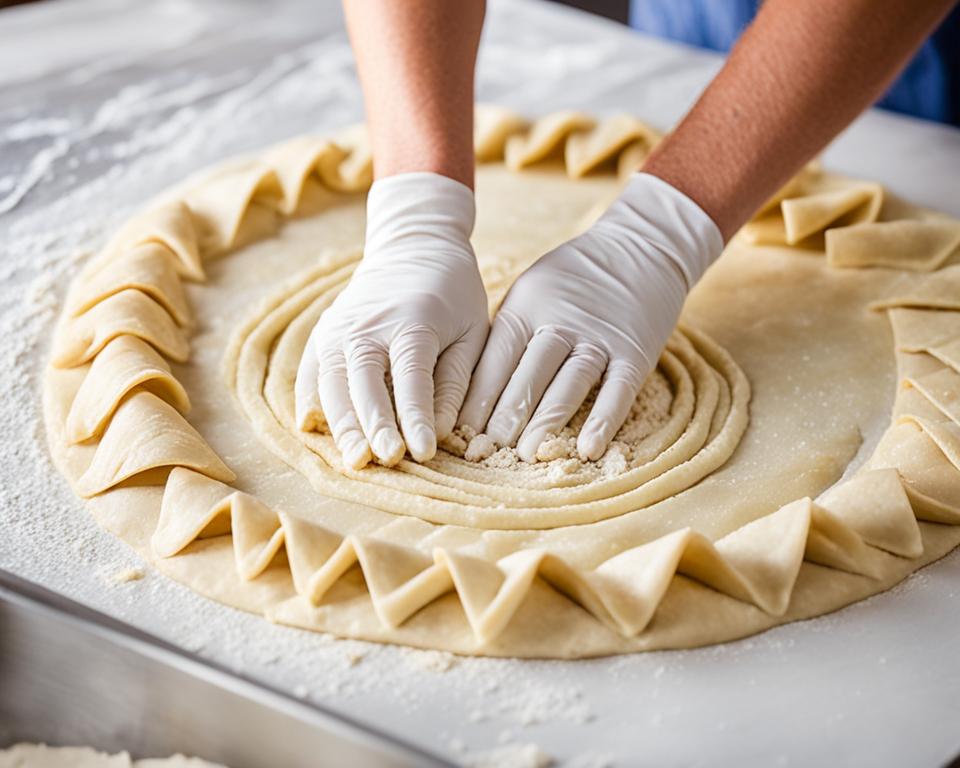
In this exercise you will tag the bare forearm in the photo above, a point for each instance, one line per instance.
(802, 72)
(416, 62)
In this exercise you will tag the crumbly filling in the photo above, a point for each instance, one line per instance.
(557, 458)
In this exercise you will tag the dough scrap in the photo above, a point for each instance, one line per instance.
(920, 246)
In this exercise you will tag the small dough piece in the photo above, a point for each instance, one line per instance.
(150, 268)
(917, 246)
(125, 362)
(147, 433)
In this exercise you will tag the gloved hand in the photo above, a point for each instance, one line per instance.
(415, 304)
(600, 305)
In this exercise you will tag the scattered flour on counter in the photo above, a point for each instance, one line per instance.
(429, 661)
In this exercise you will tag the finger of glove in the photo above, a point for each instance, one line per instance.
(413, 357)
(335, 401)
(505, 346)
(366, 372)
(540, 362)
(452, 377)
(614, 401)
(308, 412)
(566, 393)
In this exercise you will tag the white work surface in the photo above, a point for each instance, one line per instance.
(105, 102)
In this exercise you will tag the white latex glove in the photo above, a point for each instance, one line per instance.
(416, 306)
(600, 305)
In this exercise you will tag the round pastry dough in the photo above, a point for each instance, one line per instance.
(779, 488)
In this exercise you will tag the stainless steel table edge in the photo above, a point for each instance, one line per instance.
(72, 675)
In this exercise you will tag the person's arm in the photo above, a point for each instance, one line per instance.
(416, 61)
(801, 73)
(415, 306)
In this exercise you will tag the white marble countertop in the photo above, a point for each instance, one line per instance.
(106, 102)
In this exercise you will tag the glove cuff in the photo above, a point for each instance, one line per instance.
(661, 215)
(418, 203)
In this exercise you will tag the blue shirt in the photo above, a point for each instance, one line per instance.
(929, 87)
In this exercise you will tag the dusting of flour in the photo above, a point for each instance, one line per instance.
(558, 462)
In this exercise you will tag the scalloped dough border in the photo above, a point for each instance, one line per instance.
(163, 490)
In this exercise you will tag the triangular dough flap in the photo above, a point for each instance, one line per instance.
(633, 583)
(295, 161)
(169, 225)
(191, 502)
(545, 136)
(257, 534)
(875, 505)
(942, 389)
(922, 330)
(587, 150)
(127, 312)
(401, 580)
(220, 203)
(492, 126)
(767, 553)
(352, 171)
(490, 593)
(808, 215)
(147, 433)
(931, 481)
(317, 556)
(150, 268)
(125, 362)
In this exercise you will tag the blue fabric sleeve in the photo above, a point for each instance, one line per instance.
(929, 87)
